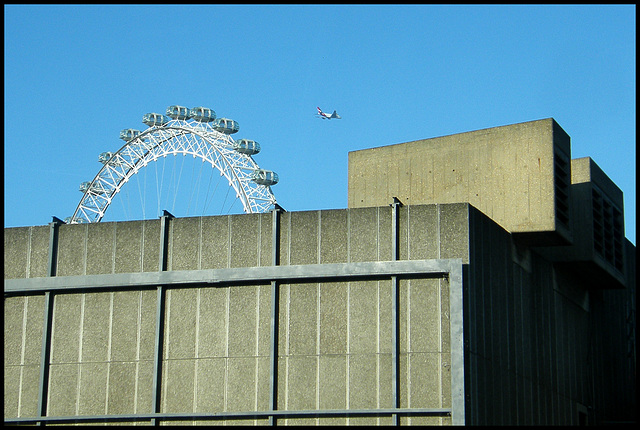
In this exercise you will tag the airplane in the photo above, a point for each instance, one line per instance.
(324, 115)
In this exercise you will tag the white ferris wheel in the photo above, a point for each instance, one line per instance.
(196, 132)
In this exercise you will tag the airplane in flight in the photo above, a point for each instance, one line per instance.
(325, 115)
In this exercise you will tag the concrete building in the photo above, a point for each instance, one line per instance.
(456, 288)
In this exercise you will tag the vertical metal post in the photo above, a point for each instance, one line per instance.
(395, 330)
(160, 310)
(48, 319)
(275, 298)
(456, 308)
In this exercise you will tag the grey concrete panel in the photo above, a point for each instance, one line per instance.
(241, 384)
(16, 245)
(185, 243)
(12, 389)
(301, 384)
(243, 317)
(266, 239)
(125, 325)
(128, 250)
(363, 385)
(215, 242)
(303, 319)
(178, 385)
(180, 323)
(213, 322)
(363, 317)
(334, 227)
(454, 231)
(92, 389)
(303, 237)
(385, 316)
(100, 253)
(426, 368)
(39, 255)
(333, 318)
(424, 319)
(264, 320)
(96, 311)
(151, 245)
(245, 240)
(363, 234)
(332, 392)
(14, 316)
(29, 390)
(423, 232)
(63, 389)
(210, 384)
(66, 328)
(72, 255)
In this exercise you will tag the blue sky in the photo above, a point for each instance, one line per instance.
(74, 76)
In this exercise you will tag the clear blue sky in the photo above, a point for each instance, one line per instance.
(74, 76)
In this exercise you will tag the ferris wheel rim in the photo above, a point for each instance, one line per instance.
(230, 163)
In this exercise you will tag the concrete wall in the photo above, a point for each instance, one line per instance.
(334, 337)
(510, 173)
(540, 346)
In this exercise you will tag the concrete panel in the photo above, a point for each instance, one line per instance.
(67, 311)
(72, 254)
(180, 323)
(334, 226)
(210, 384)
(122, 388)
(333, 318)
(363, 234)
(363, 385)
(184, 250)
(215, 242)
(96, 317)
(303, 319)
(241, 384)
(14, 316)
(92, 388)
(424, 319)
(178, 380)
(385, 317)
(30, 387)
(454, 231)
(125, 325)
(11, 389)
(303, 238)
(213, 322)
(363, 317)
(16, 242)
(243, 317)
(301, 384)
(332, 392)
(423, 232)
(264, 320)
(100, 248)
(63, 389)
(128, 251)
(266, 239)
(39, 254)
(151, 245)
(245, 240)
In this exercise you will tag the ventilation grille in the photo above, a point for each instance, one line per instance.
(562, 181)
(607, 230)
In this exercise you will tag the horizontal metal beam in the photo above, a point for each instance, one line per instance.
(294, 273)
(440, 412)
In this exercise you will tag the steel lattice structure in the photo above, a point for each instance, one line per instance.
(182, 135)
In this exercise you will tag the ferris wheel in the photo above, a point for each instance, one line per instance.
(196, 132)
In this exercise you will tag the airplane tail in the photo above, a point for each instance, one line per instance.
(335, 115)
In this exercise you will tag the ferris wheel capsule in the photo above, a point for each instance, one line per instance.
(202, 114)
(178, 112)
(246, 146)
(96, 188)
(152, 119)
(264, 177)
(128, 134)
(105, 157)
(226, 125)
